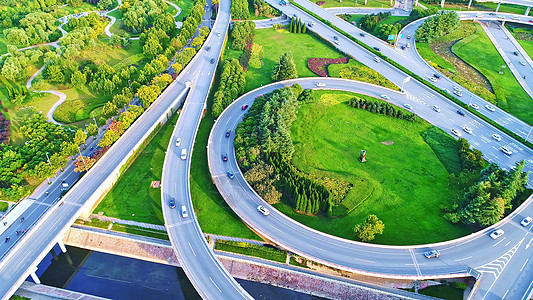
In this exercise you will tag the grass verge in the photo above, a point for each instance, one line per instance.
(4, 206)
(132, 198)
(251, 250)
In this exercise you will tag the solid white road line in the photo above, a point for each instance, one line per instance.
(215, 284)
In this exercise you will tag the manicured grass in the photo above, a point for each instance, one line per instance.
(251, 250)
(406, 180)
(69, 10)
(510, 95)
(158, 234)
(132, 193)
(433, 58)
(364, 74)
(352, 3)
(79, 104)
(4, 206)
(275, 43)
(354, 19)
(526, 44)
(185, 6)
(485, 6)
(392, 19)
(213, 213)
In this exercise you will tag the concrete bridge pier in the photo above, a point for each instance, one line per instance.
(469, 4)
(54, 254)
(416, 4)
(64, 250)
(498, 7)
(34, 276)
(391, 2)
(527, 10)
(442, 3)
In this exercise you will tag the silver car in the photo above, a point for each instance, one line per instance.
(263, 210)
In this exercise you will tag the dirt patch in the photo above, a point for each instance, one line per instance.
(464, 70)
(388, 143)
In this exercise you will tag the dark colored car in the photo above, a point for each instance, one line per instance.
(245, 106)
(403, 47)
(172, 203)
(377, 48)
(436, 75)
(212, 60)
(207, 48)
(228, 132)
(230, 174)
(460, 112)
(515, 53)
(224, 157)
(362, 34)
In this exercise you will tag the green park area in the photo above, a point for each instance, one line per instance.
(468, 57)
(404, 180)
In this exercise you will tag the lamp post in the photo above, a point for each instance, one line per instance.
(48, 158)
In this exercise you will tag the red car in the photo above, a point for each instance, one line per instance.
(245, 106)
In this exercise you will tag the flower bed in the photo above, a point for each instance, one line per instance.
(319, 66)
(320, 3)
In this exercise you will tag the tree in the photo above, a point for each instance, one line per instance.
(109, 109)
(148, 94)
(84, 164)
(43, 170)
(58, 160)
(80, 137)
(78, 79)
(92, 130)
(285, 69)
(367, 230)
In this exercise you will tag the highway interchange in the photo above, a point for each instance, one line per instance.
(511, 252)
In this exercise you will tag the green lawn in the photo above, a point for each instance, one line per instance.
(132, 193)
(275, 43)
(510, 95)
(518, 32)
(4, 206)
(354, 19)
(213, 213)
(352, 3)
(185, 6)
(392, 19)
(433, 58)
(407, 181)
(443, 292)
(68, 10)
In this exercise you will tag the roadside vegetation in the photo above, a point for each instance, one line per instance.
(254, 250)
(352, 3)
(456, 54)
(461, 5)
(523, 35)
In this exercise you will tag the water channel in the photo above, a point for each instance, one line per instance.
(118, 277)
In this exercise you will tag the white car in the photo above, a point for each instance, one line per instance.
(496, 234)
(456, 132)
(526, 221)
(523, 63)
(490, 108)
(506, 150)
(376, 59)
(497, 137)
(447, 91)
(458, 93)
(474, 106)
(456, 88)
(263, 210)
(178, 142)
(218, 33)
(184, 211)
(408, 106)
(320, 84)
(432, 79)
(336, 42)
(385, 97)
(436, 108)
(467, 129)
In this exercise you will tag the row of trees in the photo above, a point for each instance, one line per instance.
(297, 26)
(261, 8)
(240, 10)
(242, 34)
(437, 26)
(14, 10)
(369, 22)
(381, 107)
(231, 85)
(189, 26)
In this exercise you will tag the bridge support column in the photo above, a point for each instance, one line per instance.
(416, 4)
(469, 4)
(442, 3)
(527, 10)
(62, 246)
(54, 254)
(498, 7)
(34, 277)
